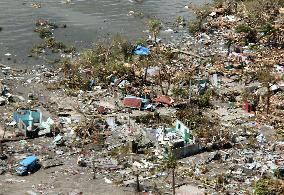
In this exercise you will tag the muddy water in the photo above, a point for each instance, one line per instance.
(87, 21)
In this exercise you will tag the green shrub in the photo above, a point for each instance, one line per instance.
(140, 41)
(38, 48)
(180, 92)
(155, 27)
(243, 28)
(44, 32)
(180, 21)
(153, 118)
(70, 49)
(279, 173)
(267, 28)
(194, 26)
(251, 34)
(268, 186)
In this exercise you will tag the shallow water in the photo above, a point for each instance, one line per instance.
(87, 21)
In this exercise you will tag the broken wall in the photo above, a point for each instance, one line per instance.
(187, 150)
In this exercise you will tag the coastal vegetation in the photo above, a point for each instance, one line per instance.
(260, 22)
(155, 26)
(268, 186)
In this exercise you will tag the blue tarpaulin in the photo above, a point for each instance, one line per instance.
(28, 160)
(143, 51)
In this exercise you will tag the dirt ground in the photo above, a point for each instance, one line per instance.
(56, 180)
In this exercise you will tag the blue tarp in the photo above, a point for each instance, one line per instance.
(143, 51)
(28, 160)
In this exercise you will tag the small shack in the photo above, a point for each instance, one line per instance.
(28, 120)
(137, 103)
(164, 100)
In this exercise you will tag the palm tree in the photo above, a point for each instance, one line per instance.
(136, 172)
(94, 167)
(170, 163)
(66, 66)
(166, 70)
(266, 77)
(1, 141)
(229, 42)
(155, 27)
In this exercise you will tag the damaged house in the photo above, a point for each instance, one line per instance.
(137, 103)
(30, 123)
(178, 138)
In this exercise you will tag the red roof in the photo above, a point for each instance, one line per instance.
(132, 102)
(164, 100)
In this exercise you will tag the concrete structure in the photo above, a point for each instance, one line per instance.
(187, 150)
(28, 120)
(184, 131)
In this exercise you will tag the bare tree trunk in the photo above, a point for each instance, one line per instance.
(137, 183)
(268, 100)
(161, 83)
(190, 91)
(4, 131)
(146, 70)
(1, 141)
(229, 49)
(1, 144)
(155, 37)
(94, 170)
(1, 147)
(173, 182)
(168, 87)
(84, 140)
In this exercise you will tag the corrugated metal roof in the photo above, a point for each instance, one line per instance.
(132, 102)
(165, 100)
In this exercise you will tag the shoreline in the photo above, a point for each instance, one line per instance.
(86, 23)
(222, 86)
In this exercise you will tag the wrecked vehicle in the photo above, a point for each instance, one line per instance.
(28, 165)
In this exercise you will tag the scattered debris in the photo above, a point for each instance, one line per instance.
(216, 121)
